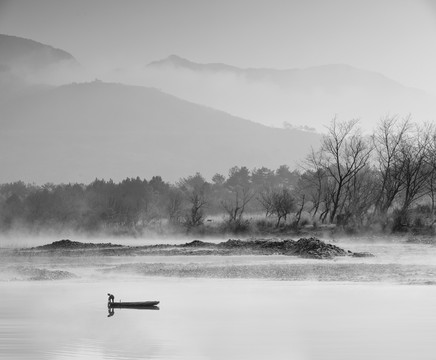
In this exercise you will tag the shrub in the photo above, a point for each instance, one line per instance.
(263, 225)
(419, 222)
(236, 227)
(400, 220)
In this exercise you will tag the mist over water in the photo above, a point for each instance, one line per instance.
(393, 262)
(216, 307)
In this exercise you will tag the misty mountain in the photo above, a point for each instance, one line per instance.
(23, 53)
(78, 132)
(27, 65)
(296, 96)
(181, 63)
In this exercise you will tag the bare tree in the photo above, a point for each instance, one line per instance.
(239, 197)
(195, 216)
(413, 157)
(301, 204)
(265, 200)
(388, 139)
(359, 198)
(312, 182)
(175, 205)
(328, 195)
(194, 188)
(430, 184)
(278, 202)
(343, 154)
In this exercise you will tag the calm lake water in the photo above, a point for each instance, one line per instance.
(365, 317)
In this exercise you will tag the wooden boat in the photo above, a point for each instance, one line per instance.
(133, 305)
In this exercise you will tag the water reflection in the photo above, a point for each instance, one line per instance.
(111, 309)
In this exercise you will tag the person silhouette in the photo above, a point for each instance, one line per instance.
(111, 298)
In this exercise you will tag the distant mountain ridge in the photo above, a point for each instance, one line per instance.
(281, 76)
(299, 96)
(178, 61)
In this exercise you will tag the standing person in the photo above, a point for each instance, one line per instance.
(111, 298)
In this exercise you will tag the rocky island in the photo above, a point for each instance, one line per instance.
(312, 248)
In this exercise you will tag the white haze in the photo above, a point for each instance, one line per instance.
(260, 102)
(312, 98)
(59, 73)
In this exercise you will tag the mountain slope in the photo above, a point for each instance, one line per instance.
(28, 64)
(82, 131)
(21, 52)
(297, 96)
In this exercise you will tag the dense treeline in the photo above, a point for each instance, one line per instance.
(384, 182)
(134, 205)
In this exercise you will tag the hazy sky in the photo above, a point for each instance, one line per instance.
(394, 37)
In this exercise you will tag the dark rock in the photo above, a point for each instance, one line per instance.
(305, 247)
(316, 249)
(67, 244)
(197, 243)
(231, 243)
(362, 254)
